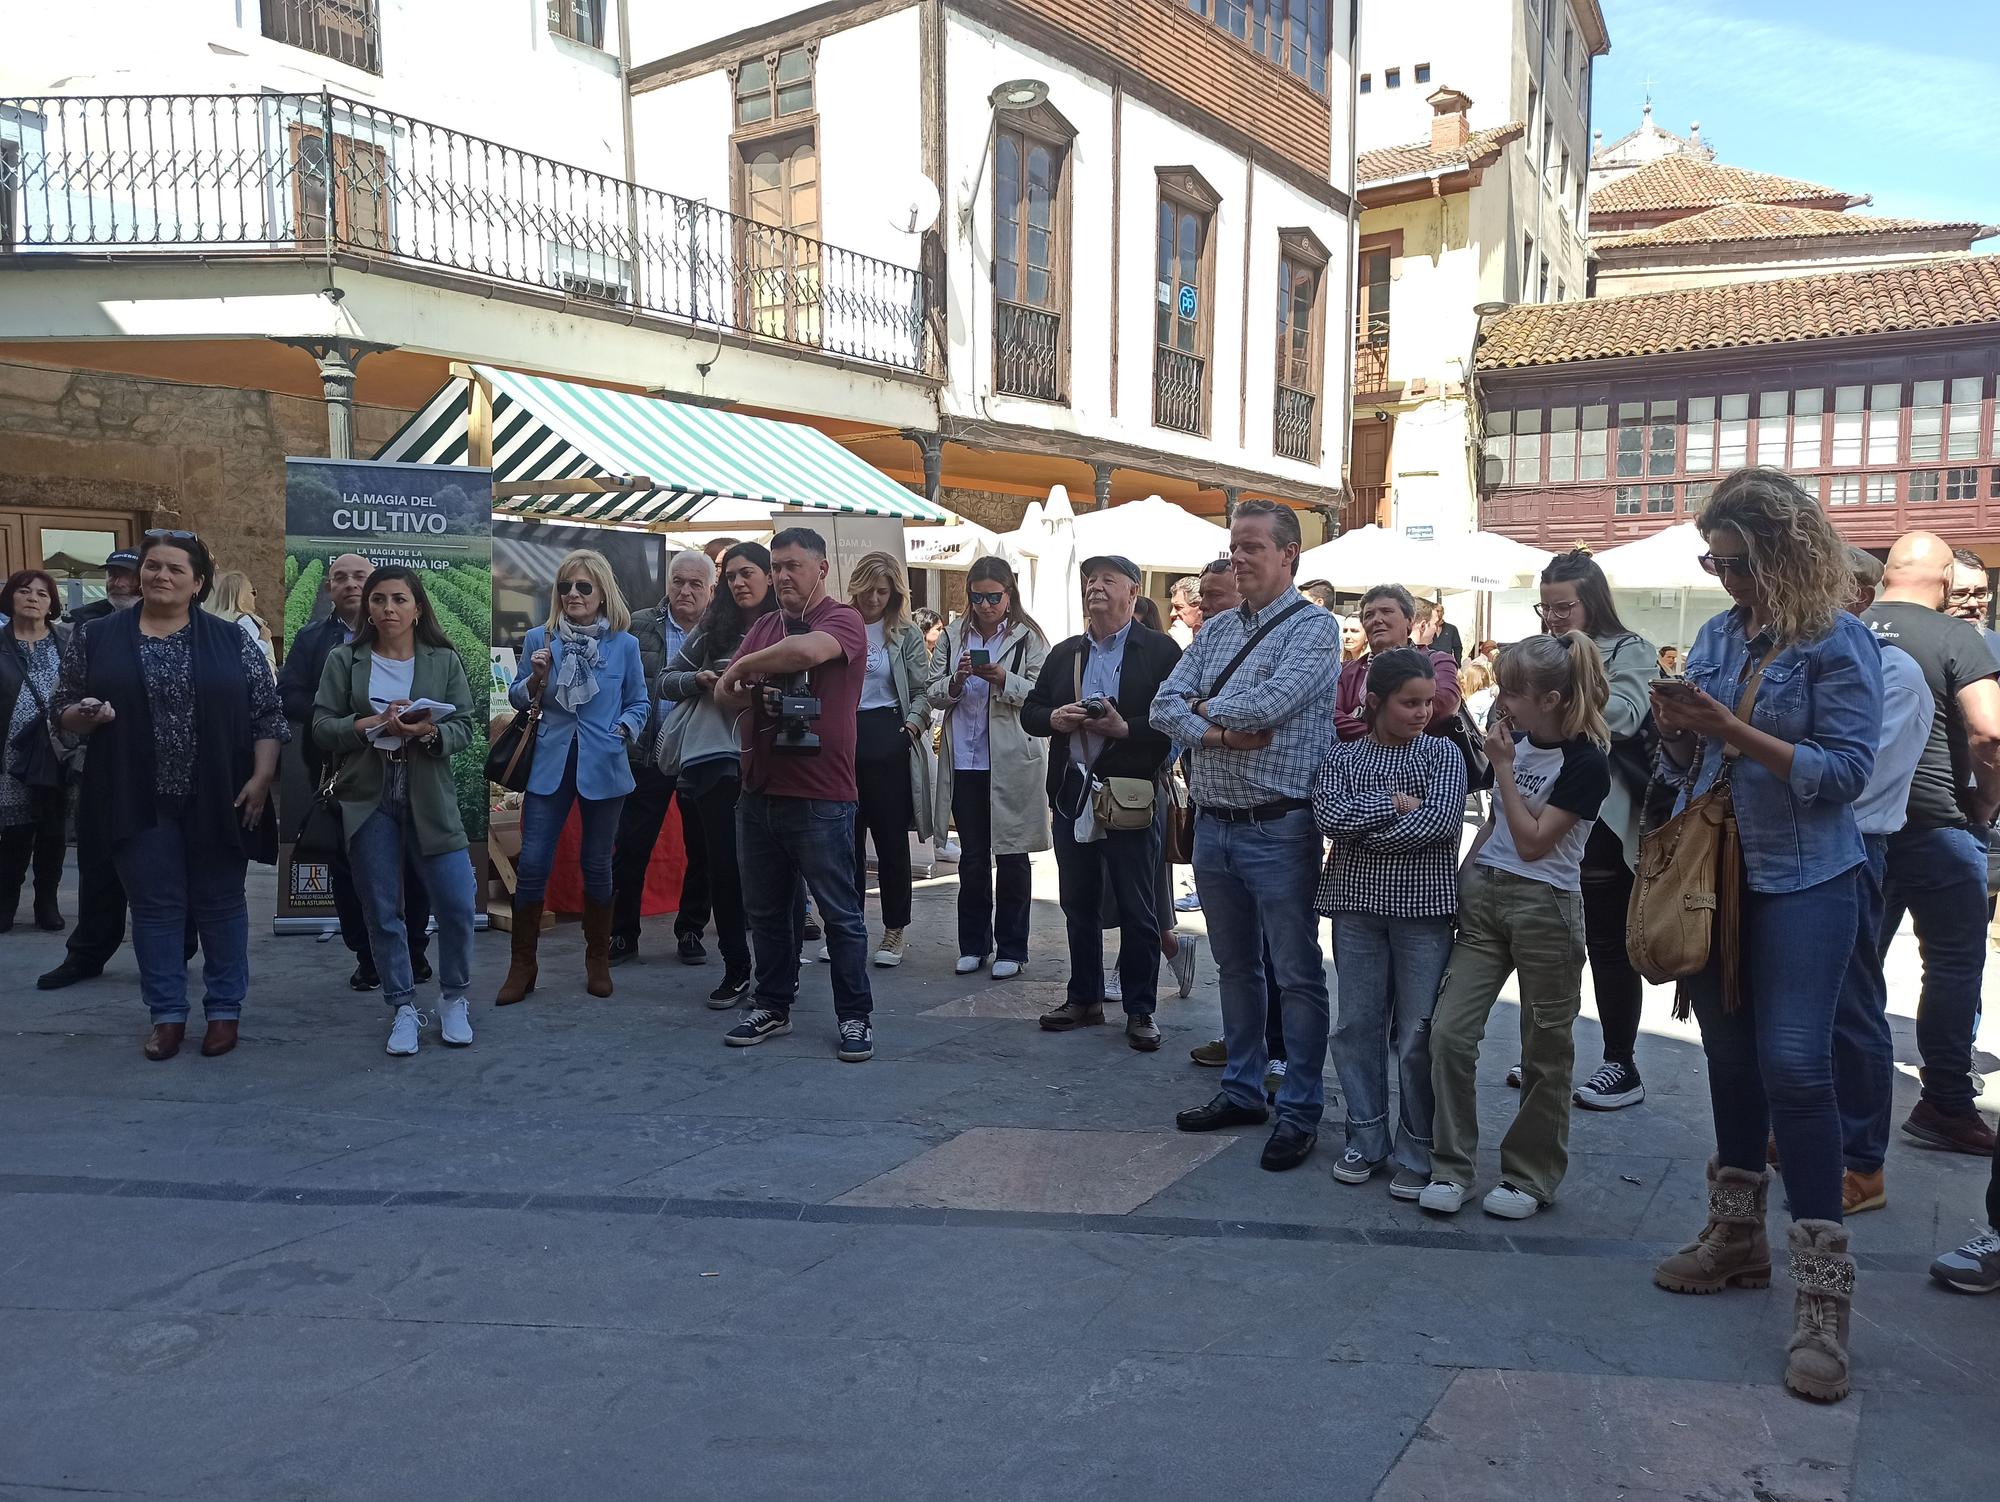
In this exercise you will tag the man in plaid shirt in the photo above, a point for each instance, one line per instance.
(1259, 740)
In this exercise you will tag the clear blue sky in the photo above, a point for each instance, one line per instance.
(1894, 100)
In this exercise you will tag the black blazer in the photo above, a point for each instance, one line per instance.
(1149, 657)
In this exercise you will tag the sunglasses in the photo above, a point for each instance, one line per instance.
(982, 597)
(1722, 567)
(170, 536)
(576, 587)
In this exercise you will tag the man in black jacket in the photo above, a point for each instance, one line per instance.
(121, 590)
(1095, 700)
(298, 686)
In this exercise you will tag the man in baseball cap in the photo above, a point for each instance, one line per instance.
(121, 588)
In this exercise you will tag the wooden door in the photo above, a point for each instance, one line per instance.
(1368, 471)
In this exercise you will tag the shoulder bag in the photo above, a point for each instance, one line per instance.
(35, 758)
(1115, 802)
(321, 835)
(1687, 893)
(1471, 744)
(511, 758)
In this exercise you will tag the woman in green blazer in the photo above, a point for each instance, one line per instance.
(394, 786)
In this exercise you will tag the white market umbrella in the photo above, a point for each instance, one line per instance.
(1492, 561)
(1047, 534)
(950, 547)
(1665, 560)
(1367, 556)
(1153, 533)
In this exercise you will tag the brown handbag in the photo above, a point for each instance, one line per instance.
(1687, 893)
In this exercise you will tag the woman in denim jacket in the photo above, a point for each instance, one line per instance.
(1796, 769)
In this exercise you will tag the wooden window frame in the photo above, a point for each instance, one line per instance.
(1268, 32)
(1044, 125)
(1302, 249)
(337, 221)
(743, 142)
(1188, 191)
(1392, 242)
(569, 17)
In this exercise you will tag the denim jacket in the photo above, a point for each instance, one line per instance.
(1823, 696)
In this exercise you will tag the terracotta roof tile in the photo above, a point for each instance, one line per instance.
(1948, 292)
(1688, 182)
(1764, 221)
(1386, 163)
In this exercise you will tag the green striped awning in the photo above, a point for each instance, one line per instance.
(706, 465)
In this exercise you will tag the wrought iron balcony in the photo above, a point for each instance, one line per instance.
(1027, 351)
(1371, 363)
(348, 31)
(1179, 390)
(1297, 426)
(318, 175)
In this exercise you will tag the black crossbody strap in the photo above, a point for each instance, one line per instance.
(1250, 646)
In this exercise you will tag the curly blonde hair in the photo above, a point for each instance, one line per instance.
(1797, 559)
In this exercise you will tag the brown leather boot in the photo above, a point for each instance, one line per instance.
(521, 969)
(164, 1041)
(1816, 1362)
(597, 947)
(1732, 1249)
(218, 1037)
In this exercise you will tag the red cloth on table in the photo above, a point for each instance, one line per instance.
(663, 876)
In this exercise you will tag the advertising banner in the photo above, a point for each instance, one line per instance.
(434, 519)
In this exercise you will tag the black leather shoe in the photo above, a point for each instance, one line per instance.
(623, 950)
(1288, 1148)
(68, 973)
(363, 979)
(1218, 1113)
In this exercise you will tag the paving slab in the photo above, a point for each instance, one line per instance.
(1002, 1168)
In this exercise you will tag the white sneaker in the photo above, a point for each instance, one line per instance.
(826, 953)
(1509, 1203)
(1007, 969)
(403, 1031)
(1443, 1196)
(949, 852)
(967, 963)
(454, 1023)
(1514, 1078)
(1113, 991)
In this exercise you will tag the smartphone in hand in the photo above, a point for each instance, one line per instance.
(981, 657)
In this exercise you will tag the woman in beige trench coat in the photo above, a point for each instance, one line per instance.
(991, 773)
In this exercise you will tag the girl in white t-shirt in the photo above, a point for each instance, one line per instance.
(1520, 911)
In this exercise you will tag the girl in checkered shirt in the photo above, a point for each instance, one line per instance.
(1393, 803)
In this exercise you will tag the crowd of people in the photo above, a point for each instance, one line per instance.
(1310, 769)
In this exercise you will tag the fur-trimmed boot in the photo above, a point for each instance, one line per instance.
(1816, 1364)
(1732, 1250)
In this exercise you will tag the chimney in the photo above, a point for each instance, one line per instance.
(1450, 129)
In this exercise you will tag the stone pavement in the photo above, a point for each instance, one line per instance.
(599, 1255)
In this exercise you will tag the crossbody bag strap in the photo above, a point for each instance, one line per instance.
(1256, 638)
(28, 677)
(1746, 697)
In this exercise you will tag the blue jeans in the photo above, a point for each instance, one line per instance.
(779, 843)
(1939, 877)
(1770, 1062)
(377, 855)
(542, 819)
(1385, 965)
(1864, 1054)
(1128, 862)
(1257, 884)
(169, 886)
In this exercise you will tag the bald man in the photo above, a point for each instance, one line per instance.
(1936, 867)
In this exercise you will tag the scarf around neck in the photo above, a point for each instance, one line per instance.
(576, 674)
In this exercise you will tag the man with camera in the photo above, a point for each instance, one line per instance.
(1095, 699)
(796, 685)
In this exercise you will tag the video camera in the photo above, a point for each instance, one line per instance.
(794, 706)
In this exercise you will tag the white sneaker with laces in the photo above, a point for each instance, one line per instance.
(454, 1023)
(1443, 1197)
(1973, 1268)
(1612, 1088)
(1182, 964)
(1114, 989)
(1509, 1203)
(890, 952)
(1007, 969)
(403, 1031)
(967, 963)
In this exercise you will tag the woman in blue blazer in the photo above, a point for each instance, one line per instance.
(583, 668)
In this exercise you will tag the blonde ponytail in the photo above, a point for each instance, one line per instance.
(1566, 665)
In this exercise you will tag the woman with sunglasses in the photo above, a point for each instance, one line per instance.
(185, 724)
(1784, 691)
(990, 771)
(1577, 597)
(710, 783)
(585, 671)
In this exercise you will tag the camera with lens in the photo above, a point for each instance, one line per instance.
(1096, 708)
(792, 703)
